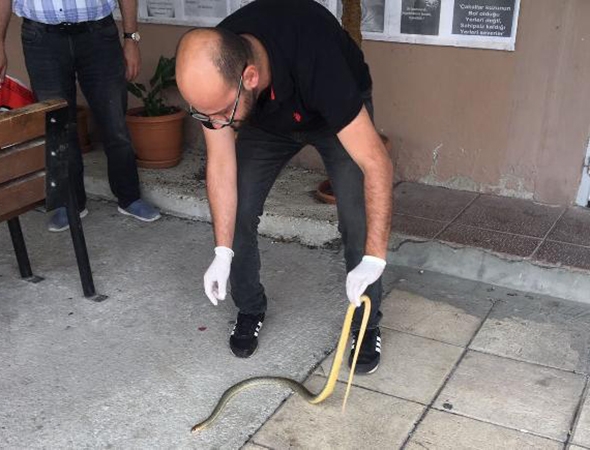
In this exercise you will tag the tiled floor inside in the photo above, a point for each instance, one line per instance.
(520, 228)
(464, 366)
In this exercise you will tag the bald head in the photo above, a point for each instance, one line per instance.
(209, 62)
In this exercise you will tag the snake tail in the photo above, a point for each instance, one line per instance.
(357, 349)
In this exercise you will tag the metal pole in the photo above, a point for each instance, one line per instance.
(20, 249)
(79, 244)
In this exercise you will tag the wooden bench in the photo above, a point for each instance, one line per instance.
(34, 168)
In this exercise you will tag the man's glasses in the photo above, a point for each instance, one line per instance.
(216, 124)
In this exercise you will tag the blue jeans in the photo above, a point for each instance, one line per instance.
(261, 155)
(54, 60)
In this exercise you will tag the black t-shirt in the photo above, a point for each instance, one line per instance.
(318, 71)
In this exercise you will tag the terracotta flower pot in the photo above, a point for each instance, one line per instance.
(324, 192)
(157, 140)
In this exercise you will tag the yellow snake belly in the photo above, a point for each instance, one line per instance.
(295, 386)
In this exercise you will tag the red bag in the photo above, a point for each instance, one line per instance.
(14, 94)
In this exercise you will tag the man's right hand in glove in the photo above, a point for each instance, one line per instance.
(215, 279)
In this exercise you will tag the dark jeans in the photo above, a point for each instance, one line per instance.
(54, 60)
(261, 156)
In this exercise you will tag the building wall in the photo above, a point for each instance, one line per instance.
(511, 123)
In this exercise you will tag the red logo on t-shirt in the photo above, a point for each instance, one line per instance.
(272, 93)
(297, 117)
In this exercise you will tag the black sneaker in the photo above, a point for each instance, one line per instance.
(370, 353)
(243, 340)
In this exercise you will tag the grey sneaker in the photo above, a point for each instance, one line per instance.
(141, 210)
(59, 220)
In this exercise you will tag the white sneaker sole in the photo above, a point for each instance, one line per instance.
(83, 214)
(242, 357)
(143, 219)
(372, 370)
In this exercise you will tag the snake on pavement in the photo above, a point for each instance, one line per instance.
(295, 386)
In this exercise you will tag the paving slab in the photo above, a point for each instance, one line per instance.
(412, 367)
(139, 369)
(416, 226)
(511, 215)
(545, 331)
(427, 317)
(371, 420)
(513, 394)
(582, 431)
(572, 227)
(444, 431)
(562, 254)
(431, 202)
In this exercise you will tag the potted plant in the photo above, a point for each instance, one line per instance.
(351, 22)
(156, 128)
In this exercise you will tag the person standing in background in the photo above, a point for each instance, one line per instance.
(64, 41)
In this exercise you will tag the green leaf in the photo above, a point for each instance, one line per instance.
(161, 69)
(168, 84)
(168, 69)
(156, 75)
(164, 78)
(135, 89)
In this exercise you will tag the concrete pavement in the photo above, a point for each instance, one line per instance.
(139, 369)
(465, 364)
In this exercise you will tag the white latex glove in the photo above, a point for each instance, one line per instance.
(215, 279)
(366, 273)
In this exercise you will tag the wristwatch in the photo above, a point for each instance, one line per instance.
(135, 36)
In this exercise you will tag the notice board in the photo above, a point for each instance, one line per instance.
(490, 24)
